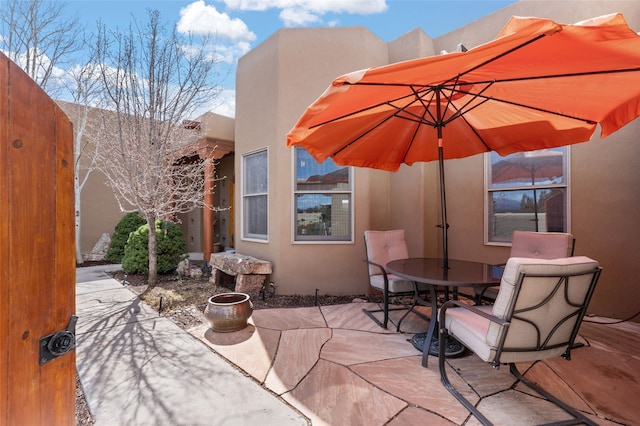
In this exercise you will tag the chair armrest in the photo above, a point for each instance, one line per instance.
(382, 270)
(475, 310)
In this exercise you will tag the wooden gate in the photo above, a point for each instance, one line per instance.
(37, 255)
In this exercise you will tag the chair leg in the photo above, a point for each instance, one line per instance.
(386, 310)
(409, 310)
(383, 323)
(447, 384)
(579, 418)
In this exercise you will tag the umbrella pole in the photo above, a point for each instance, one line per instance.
(443, 196)
(443, 205)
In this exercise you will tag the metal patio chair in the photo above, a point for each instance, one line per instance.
(383, 247)
(537, 314)
(537, 245)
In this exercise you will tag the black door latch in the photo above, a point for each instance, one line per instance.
(58, 343)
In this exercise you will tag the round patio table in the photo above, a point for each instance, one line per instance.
(431, 271)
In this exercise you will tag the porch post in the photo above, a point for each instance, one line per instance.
(207, 212)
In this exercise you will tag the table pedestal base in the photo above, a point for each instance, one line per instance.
(452, 349)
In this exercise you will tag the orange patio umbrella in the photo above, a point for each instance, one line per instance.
(539, 84)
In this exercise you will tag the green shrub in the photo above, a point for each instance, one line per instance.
(129, 223)
(170, 249)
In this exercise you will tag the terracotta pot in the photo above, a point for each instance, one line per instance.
(228, 312)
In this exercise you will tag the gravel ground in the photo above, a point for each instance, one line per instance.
(83, 415)
(183, 301)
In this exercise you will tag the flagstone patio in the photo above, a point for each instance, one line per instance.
(337, 367)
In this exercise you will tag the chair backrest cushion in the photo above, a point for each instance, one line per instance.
(541, 245)
(385, 246)
(531, 319)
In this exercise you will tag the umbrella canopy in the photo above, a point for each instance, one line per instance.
(539, 84)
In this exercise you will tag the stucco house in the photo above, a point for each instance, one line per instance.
(296, 65)
(308, 219)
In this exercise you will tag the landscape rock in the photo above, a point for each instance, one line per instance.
(196, 272)
(99, 251)
(234, 264)
(184, 268)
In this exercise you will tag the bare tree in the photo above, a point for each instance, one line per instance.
(36, 36)
(87, 137)
(83, 84)
(153, 80)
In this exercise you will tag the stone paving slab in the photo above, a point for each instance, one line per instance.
(111, 306)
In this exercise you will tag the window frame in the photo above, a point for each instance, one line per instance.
(487, 219)
(245, 235)
(317, 239)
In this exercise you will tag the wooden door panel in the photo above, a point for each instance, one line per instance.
(37, 290)
(4, 236)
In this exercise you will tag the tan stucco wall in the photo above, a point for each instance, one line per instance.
(275, 82)
(279, 78)
(99, 211)
(216, 126)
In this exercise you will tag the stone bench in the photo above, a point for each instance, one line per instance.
(250, 272)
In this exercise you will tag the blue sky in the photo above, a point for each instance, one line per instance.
(241, 25)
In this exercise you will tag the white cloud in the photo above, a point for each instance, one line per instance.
(199, 18)
(224, 104)
(362, 7)
(298, 17)
(230, 38)
(303, 12)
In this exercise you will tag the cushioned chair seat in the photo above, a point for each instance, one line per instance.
(396, 284)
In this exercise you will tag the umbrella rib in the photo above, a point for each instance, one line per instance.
(418, 119)
(363, 134)
(551, 76)
(475, 132)
(505, 53)
(411, 116)
(461, 111)
(361, 110)
(413, 137)
(420, 98)
(534, 108)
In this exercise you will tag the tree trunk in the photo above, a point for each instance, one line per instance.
(79, 259)
(153, 253)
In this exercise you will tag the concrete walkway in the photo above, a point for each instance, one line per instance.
(138, 368)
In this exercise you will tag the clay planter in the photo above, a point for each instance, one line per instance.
(228, 312)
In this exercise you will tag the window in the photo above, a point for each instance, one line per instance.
(322, 199)
(254, 196)
(526, 191)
